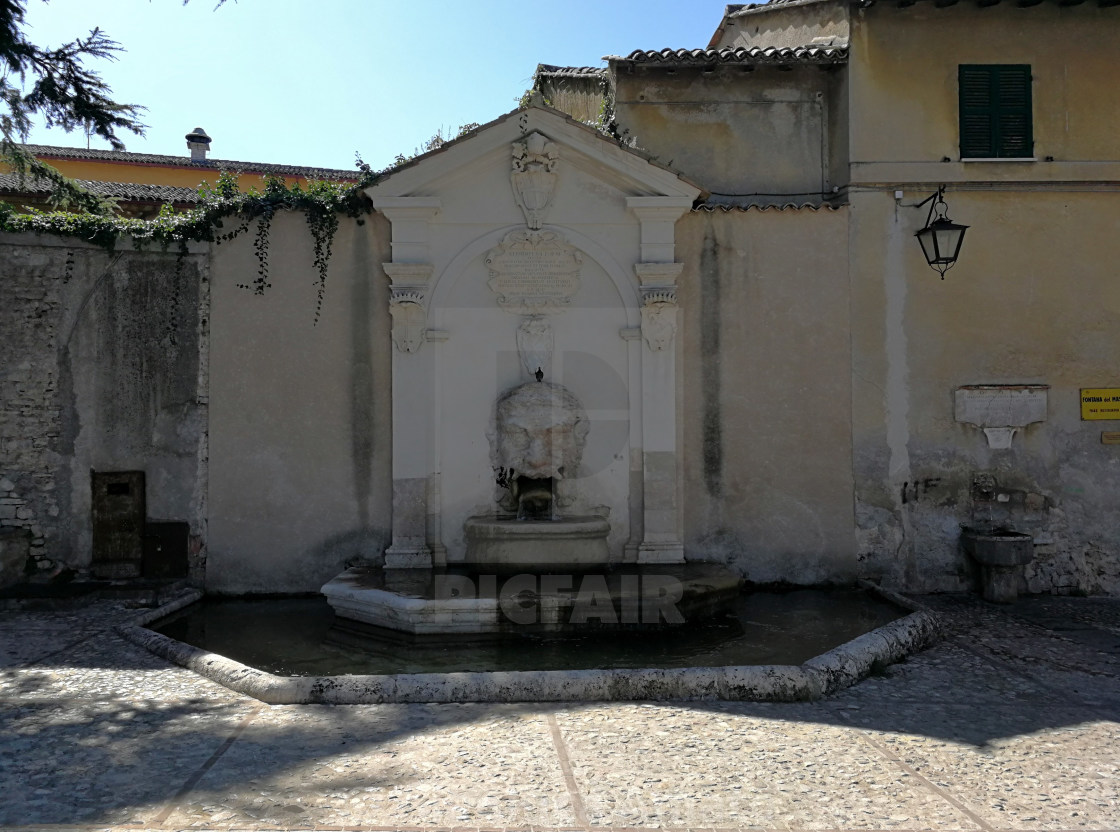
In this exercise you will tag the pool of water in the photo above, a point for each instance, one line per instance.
(301, 637)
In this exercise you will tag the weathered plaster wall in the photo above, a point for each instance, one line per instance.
(101, 372)
(299, 412)
(1032, 300)
(786, 27)
(1008, 313)
(839, 135)
(766, 392)
(734, 132)
(904, 89)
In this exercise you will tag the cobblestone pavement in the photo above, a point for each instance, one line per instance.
(1011, 723)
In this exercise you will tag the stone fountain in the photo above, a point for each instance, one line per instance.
(528, 565)
(535, 393)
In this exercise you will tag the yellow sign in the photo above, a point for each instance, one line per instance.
(1110, 437)
(1100, 403)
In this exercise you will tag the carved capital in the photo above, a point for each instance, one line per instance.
(666, 294)
(406, 295)
(534, 176)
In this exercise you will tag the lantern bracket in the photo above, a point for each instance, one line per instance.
(940, 238)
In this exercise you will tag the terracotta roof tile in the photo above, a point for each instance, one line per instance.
(551, 71)
(756, 8)
(822, 54)
(12, 184)
(712, 207)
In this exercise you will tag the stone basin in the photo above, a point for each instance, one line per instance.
(998, 548)
(696, 673)
(1001, 554)
(569, 544)
(455, 600)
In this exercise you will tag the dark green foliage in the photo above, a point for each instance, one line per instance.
(55, 86)
(52, 84)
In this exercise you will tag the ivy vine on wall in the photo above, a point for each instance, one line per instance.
(321, 203)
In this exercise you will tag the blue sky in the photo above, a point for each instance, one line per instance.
(310, 82)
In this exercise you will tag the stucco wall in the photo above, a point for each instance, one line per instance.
(766, 392)
(101, 371)
(1033, 300)
(299, 413)
(904, 87)
(734, 132)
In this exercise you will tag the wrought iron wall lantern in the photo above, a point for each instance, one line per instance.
(941, 238)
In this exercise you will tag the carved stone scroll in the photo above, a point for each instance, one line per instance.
(659, 318)
(534, 345)
(409, 316)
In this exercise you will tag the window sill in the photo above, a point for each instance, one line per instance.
(1000, 159)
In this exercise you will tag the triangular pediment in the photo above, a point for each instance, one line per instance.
(630, 171)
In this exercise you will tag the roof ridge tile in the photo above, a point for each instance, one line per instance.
(52, 151)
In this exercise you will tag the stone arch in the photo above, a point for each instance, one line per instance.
(622, 279)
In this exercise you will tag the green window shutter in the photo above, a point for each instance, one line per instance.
(1013, 115)
(975, 86)
(995, 111)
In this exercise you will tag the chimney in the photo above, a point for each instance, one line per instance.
(199, 143)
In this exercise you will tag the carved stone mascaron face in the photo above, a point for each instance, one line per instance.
(541, 429)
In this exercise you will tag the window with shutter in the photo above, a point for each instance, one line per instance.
(995, 111)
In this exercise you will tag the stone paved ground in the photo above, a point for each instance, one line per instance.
(1011, 723)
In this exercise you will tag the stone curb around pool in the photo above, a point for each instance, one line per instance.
(839, 668)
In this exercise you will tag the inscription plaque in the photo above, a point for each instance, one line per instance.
(534, 272)
(1001, 405)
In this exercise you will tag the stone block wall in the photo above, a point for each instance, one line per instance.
(30, 412)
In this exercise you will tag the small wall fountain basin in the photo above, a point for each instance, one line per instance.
(998, 548)
(1001, 555)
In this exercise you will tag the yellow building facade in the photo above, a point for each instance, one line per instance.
(144, 181)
